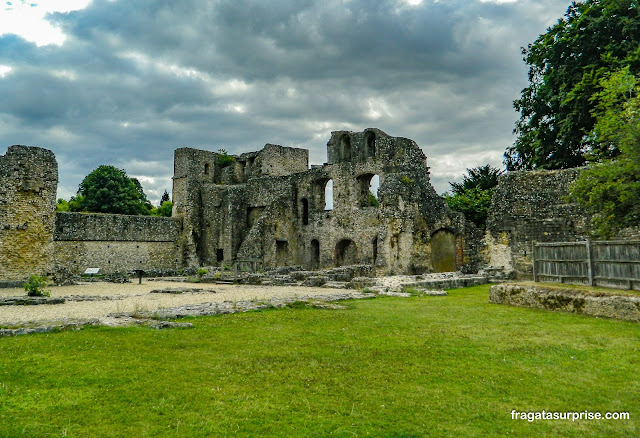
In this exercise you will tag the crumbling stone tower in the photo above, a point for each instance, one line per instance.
(267, 206)
(28, 184)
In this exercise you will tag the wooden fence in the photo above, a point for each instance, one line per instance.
(611, 263)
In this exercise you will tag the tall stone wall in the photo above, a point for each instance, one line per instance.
(527, 207)
(116, 243)
(277, 213)
(28, 184)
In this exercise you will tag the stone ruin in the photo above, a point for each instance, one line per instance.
(268, 210)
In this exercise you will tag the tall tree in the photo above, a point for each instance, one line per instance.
(481, 177)
(110, 190)
(472, 197)
(566, 64)
(610, 191)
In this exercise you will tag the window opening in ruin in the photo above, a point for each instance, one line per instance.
(374, 186)
(345, 253)
(220, 255)
(369, 185)
(370, 144)
(282, 252)
(345, 148)
(315, 253)
(328, 195)
(206, 169)
(305, 211)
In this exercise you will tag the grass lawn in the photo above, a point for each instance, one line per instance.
(390, 367)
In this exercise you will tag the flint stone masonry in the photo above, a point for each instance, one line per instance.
(116, 243)
(267, 206)
(567, 300)
(28, 184)
(527, 207)
(267, 209)
(115, 228)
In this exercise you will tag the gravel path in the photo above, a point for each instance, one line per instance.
(90, 301)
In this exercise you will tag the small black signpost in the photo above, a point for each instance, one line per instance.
(139, 272)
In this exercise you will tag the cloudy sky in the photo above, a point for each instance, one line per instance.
(127, 82)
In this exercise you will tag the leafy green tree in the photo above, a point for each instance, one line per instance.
(566, 64)
(164, 209)
(481, 177)
(109, 190)
(73, 204)
(472, 197)
(610, 191)
(473, 203)
(165, 197)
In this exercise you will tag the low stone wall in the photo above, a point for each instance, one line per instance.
(116, 243)
(567, 300)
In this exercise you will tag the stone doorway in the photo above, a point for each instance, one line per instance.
(345, 253)
(443, 251)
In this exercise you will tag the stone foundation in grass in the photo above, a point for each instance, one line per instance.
(598, 304)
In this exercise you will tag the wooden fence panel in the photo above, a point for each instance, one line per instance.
(602, 263)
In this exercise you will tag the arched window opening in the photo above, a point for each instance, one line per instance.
(345, 148)
(374, 186)
(206, 168)
(305, 211)
(369, 185)
(370, 144)
(328, 195)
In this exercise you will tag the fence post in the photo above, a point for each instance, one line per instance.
(589, 263)
(533, 261)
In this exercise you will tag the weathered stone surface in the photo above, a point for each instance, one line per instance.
(263, 210)
(29, 301)
(530, 207)
(28, 184)
(179, 290)
(116, 243)
(567, 300)
(268, 207)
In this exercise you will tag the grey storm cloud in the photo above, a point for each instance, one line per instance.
(135, 80)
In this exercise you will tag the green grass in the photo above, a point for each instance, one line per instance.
(390, 367)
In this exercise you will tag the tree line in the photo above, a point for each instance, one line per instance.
(581, 107)
(110, 190)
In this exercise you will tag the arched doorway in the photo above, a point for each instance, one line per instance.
(315, 254)
(443, 251)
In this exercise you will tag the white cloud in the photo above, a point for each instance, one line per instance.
(5, 70)
(29, 19)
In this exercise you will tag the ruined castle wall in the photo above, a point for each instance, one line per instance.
(275, 160)
(396, 235)
(28, 184)
(116, 243)
(527, 207)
